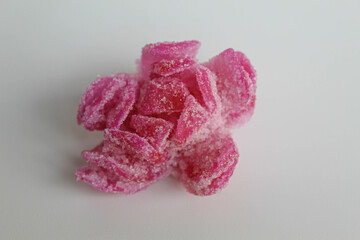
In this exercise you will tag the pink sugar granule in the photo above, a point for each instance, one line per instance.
(172, 117)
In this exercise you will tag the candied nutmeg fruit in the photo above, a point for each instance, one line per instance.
(172, 117)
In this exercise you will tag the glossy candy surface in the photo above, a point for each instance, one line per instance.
(170, 118)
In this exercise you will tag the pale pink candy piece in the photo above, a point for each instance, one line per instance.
(154, 130)
(107, 101)
(191, 119)
(153, 53)
(236, 84)
(206, 81)
(169, 67)
(115, 171)
(163, 95)
(124, 164)
(130, 143)
(106, 181)
(206, 166)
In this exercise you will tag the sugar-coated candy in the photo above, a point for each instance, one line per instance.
(204, 167)
(107, 101)
(206, 81)
(172, 117)
(131, 143)
(154, 130)
(155, 53)
(236, 84)
(169, 67)
(192, 118)
(163, 95)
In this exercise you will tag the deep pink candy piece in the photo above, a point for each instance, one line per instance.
(206, 81)
(191, 119)
(205, 167)
(236, 84)
(107, 101)
(114, 170)
(153, 53)
(163, 95)
(154, 130)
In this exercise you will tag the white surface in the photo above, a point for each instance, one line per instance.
(298, 175)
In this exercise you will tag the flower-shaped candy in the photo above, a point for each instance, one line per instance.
(170, 118)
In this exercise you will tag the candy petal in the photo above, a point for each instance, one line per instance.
(164, 95)
(107, 101)
(131, 143)
(205, 167)
(106, 181)
(188, 77)
(169, 67)
(236, 84)
(124, 100)
(154, 130)
(112, 170)
(126, 165)
(191, 119)
(153, 53)
(207, 84)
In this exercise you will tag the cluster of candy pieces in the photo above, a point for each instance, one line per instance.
(170, 118)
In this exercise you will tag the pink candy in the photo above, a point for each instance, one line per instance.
(171, 118)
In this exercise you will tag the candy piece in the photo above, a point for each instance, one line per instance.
(154, 130)
(106, 181)
(205, 167)
(131, 143)
(188, 77)
(179, 125)
(169, 67)
(163, 95)
(236, 84)
(124, 100)
(153, 53)
(207, 84)
(114, 170)
(191, 120)
(107, 102)
(124, 164)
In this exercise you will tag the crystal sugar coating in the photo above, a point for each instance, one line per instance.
(170, 118)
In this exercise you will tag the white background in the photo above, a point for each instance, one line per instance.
(298, 174)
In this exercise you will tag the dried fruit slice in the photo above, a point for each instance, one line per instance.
(205, 167)
(236, 84)
(169, 67)
(191, 119)
(153, 53)
(130, 143)
(163, 95)
(107, 101)
(154, 130)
